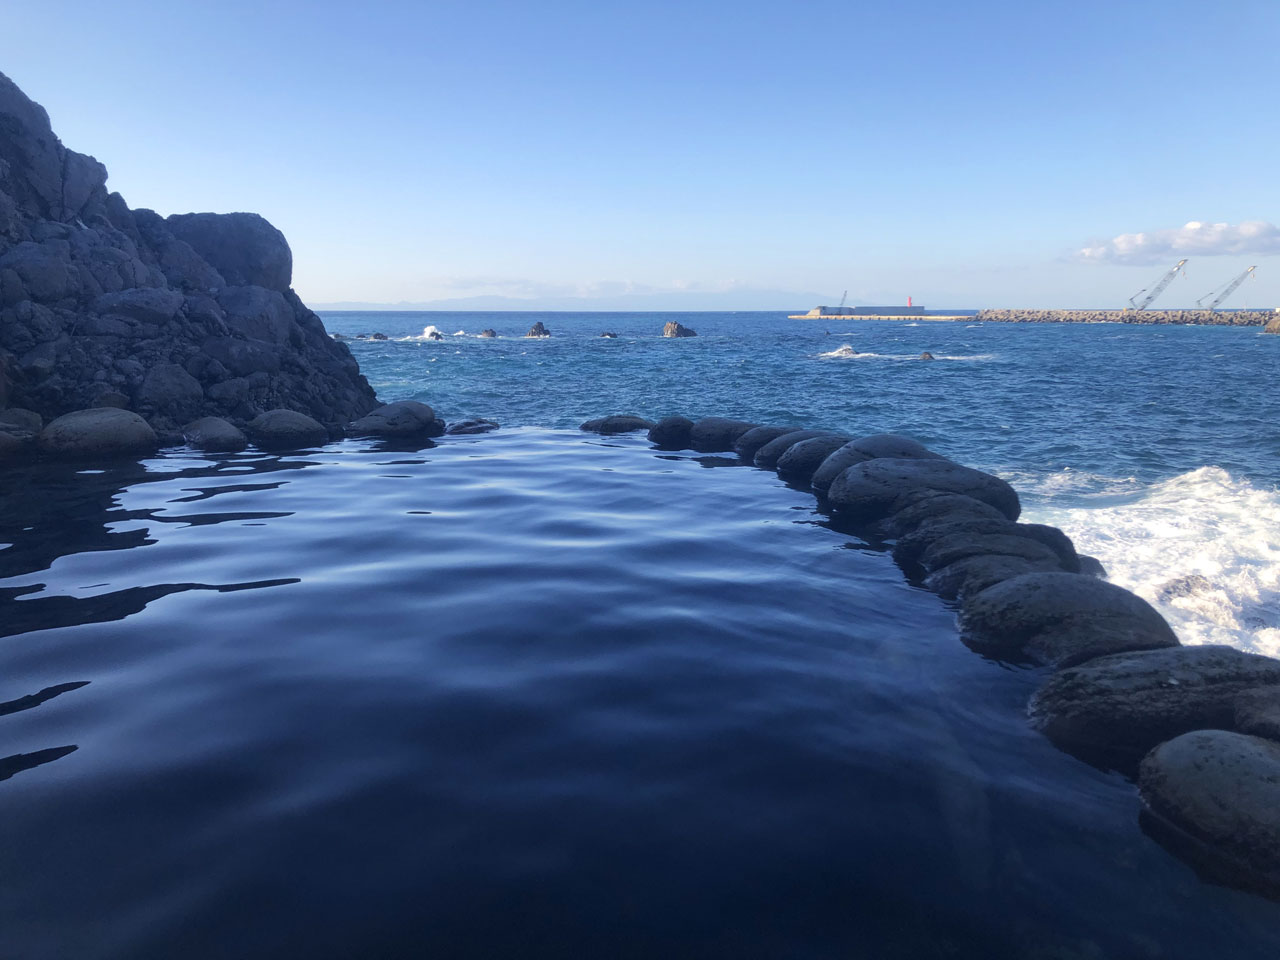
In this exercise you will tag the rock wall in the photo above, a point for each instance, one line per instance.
(174, 318)
(1213, 318)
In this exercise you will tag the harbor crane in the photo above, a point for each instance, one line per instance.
(1157, 289)
(1224, 291)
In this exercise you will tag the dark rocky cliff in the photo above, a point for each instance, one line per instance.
(174, 318)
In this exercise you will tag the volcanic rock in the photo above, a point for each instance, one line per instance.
(96, 298)
(717, 434)
(98, 433)
(618, 423)
(214, 435)
(538, 330)
(870, 489)
(755, 438)
(487, 334)
(1061, 619)
(798, 463)
(876, 446)
(1118, 707)
(672, 433)
(768, 455)
(674, 329)
(464, 427)
(404, 418)
(1218, 790)
(286, 430)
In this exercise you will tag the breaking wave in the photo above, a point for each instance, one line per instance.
(1201, 547)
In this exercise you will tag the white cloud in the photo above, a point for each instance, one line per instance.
(1250, 237)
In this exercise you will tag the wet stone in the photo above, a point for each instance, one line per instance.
(800, 461)
(618, 423)
(767, 456)
(1116, 708)
(672, 433)
(1061, 619)
(717, 434)
(875, 446)
(871, 490)
(972, 575)
(98, 432)
(755, 438)
(286, 430)
(214, 435)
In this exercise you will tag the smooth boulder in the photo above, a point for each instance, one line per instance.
(1219, 790)
(870, 490)
(402, 419)
(672, 433)
(618, 423)
(214, 435)
(717, 434)
(1116, 708)
(799, 461)
(972, 575)
(16, 418)
(876, 446)
(913, 512)
(1061, 619)
(99, 432)
(755, 438)
(767, 457)
(286, 430)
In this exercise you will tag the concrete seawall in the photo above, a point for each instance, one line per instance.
(1232, 318)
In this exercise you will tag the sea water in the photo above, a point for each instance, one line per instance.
(541, 693)
(1155, 448)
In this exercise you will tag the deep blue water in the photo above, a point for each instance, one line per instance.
(542, 694)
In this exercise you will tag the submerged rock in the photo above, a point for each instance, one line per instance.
(1217, 791)
(378, 336)
(876, 446)
(404, 418)
(927, 356)
(463, 427)
(672, 433)
(214, 435)
(286, 430)
(609, 335)
(433, 335)
(487, 333)
(538, 330)
(100, 432)
(1116, 708)
(1061, 619)
(674, 329)
(618, 423)
(871, 488)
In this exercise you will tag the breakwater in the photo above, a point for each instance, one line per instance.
(1210, 318)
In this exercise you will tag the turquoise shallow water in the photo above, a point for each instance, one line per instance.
(543, 694)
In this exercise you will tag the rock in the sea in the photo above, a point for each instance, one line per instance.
(214, 435)
(767, 456)
(378, 336)
(618, 423)
(1273, 326)
(404, 419)
(435, 335)
(798, 463)
(286, 430)
(959, 546)
(717, 434)
(1219, 790)
(609, 335)
(674, 329)
(1061, 619)
(876, 446)
(928, 510)
(538, 330)
(1116, 708)
(870, 489)
(464, 427)
(100, 432)
(487, 333)
(672, 433)
(927, 356)
(755, 438)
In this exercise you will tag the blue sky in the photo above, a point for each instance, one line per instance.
(961, 153)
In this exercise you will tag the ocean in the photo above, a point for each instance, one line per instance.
(541, 693)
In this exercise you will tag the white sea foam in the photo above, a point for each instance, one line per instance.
(842, 351)
(1203, 548)
(847, 352)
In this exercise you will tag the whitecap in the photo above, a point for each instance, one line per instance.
(846, 350)
(1201, 547)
